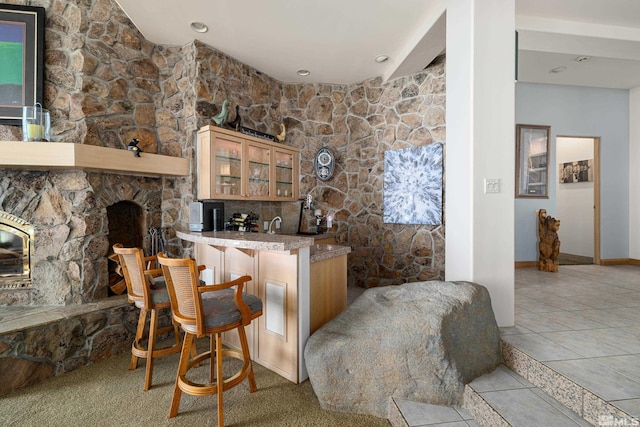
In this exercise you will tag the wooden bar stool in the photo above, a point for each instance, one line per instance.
(209, 310)
(147, 290)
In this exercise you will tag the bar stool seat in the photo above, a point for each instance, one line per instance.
(209, 310)
(147, 290)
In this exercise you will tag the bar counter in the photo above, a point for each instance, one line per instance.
(302, 285)
(266, 242)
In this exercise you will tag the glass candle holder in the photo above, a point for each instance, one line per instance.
(36, 123)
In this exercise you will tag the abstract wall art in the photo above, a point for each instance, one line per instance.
(413, 185)
(21, 60)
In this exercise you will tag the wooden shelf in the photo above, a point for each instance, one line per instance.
(65, 155)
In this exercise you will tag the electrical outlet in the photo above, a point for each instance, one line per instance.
(492, 185)
(206, 275)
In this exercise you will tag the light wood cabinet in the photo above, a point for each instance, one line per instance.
(298, 296)
(285, 174)
(328, 287)
(273, 338)
(278, 340)
(241, 167)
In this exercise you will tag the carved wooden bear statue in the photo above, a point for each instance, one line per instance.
(549, 244)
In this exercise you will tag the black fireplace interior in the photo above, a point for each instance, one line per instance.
(125, 227)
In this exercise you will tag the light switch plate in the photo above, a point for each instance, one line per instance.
(492, 185)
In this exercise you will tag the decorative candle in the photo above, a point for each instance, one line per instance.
(35, 132)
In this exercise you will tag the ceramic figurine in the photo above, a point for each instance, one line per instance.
(133, 146)
(280, 137)
(221, 117)
(236, 122)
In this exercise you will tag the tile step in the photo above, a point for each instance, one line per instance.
(503, 398)
(523, 392)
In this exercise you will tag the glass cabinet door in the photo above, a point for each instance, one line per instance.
(228, 168)
(284, 174)
(258, 164)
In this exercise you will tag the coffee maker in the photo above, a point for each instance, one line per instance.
(206, 215)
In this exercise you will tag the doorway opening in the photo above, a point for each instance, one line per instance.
(578, 199)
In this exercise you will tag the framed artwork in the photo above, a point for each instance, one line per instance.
(413, 185)
(578, 171)
(532, 161)
(21, 60)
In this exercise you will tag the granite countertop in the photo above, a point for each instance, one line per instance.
(324, 252)
(246, 240)
(266, 242)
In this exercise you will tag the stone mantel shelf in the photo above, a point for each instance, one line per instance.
(66, 155)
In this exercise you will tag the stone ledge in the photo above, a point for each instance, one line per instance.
(55, 340)
(13, 319)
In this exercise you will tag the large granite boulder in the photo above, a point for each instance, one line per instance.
(419, 341)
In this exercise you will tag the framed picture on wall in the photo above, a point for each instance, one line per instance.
(21, 60)
(532, 161)
(576, 171)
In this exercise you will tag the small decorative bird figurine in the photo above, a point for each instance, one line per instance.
(235, 123)
(133, 146)
(280, 137)
(221, 117)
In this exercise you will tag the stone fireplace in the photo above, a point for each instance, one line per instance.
(68, 212)
(73, 215)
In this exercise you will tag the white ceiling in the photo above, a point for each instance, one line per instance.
(337, 40)
(553, 33)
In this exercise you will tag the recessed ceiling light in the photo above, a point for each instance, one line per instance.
(304, 73)
(381, 58)
(582, 58)
(558, 69)
(199, 27)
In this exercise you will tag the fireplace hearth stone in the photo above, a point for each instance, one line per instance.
(37, 343)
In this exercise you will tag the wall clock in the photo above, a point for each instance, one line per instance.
(324, 163)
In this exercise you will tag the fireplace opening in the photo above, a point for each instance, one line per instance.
(16, 252)
(126, 225)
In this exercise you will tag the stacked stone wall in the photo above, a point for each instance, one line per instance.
(104, 84)
(359, 123)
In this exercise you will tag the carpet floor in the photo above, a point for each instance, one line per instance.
(108, 394)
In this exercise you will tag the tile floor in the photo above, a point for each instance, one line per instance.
(583, 322)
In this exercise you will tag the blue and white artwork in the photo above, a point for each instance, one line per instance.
(413, 185)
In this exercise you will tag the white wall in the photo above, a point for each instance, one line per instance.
(634, 174)
(480, 116)
(574, 201)
(580, 111)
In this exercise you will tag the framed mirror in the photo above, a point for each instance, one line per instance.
(532, 161)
